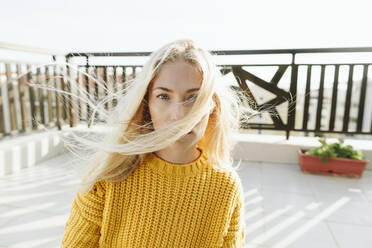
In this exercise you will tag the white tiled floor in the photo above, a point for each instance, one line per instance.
(304, 210)
(284, 207)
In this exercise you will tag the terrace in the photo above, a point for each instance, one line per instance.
(307, 96)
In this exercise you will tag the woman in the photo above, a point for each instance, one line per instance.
(163, 177)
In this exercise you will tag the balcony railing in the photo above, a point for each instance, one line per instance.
(321, 97)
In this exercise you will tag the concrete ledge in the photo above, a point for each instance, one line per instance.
(276, 149)
(28, 150)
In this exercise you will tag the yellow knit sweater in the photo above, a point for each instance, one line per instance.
(161, 205)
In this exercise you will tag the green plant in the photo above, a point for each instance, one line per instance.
(318, 134)
(335, 150)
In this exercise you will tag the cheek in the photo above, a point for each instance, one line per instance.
(157, 116)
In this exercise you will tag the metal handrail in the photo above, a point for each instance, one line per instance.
(238, 52)
(23, 48)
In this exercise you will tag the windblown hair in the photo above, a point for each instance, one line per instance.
(132, 136)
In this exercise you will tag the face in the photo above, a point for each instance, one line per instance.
(172, 95)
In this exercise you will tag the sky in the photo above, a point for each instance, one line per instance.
(138, 25)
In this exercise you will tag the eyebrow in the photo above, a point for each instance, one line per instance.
(169, 90)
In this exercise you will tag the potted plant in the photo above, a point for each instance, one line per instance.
(335, 158)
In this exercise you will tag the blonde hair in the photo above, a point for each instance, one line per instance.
(132, 136)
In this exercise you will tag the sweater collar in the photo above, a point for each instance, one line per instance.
(160, 165)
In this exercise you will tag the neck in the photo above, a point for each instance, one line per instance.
(179, 155)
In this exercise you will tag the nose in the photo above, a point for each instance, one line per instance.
(178, 112)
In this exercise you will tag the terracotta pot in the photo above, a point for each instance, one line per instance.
(337, 166)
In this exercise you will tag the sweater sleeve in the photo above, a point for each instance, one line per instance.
(83, 227)
(235, 237)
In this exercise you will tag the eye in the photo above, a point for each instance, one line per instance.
(163, 97)
(191, 98)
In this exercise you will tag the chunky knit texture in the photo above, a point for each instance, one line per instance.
(161, 204)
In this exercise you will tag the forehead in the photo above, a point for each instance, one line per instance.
(178, 76)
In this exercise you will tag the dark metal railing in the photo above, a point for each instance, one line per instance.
(315, 108)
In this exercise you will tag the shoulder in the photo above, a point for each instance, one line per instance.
(229, 175)
(236, 192)
(98, 189)
(236, 182)
(229, 179)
